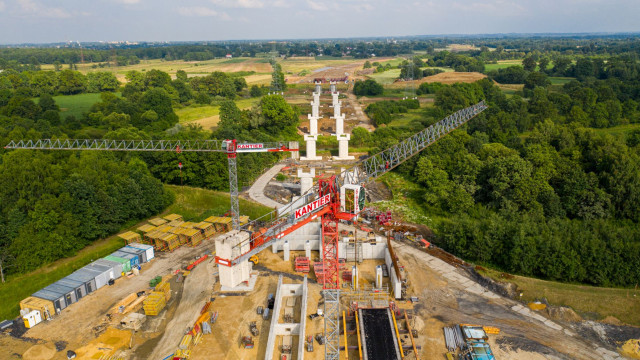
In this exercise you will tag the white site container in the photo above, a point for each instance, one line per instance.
(32, 319)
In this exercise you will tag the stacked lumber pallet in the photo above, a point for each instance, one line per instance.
(154, 303)
(302, 264)
(163, 288)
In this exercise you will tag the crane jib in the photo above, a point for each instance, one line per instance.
(312, 206)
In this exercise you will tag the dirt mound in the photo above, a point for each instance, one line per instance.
(611, 320)
(40, 352)
(450, 77)
(378, 191)
(563, 313)
(418, 324)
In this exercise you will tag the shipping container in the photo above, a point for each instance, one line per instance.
(78, 286)
(104, 274)
(147, 248)
(126, 264)
(116, 267)
(68, 292)
(88, 277)
(142, 255)
(58, 300)
(134, 260)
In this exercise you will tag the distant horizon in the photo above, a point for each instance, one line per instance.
(373, 37)
(54, 21)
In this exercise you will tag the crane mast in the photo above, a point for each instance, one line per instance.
(328, 201)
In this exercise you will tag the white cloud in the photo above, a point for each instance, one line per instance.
(34, 9)
(246, 4)
(317, 6)
(202, 11)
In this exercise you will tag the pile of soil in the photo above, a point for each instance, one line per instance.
(40, 352)
(563, 313)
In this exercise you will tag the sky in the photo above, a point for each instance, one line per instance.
(46, 21)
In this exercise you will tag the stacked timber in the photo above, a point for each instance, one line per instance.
(154, 303)
(163, 288)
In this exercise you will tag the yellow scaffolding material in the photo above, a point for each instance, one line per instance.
(358, 334)
(397, 334)
(172, 217)
(130, 237)
(344, 326)
(157, 221)
(154, 303)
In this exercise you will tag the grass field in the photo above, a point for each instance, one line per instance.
(502, 64)
(560, 80)
(619, 130)
(208, 115)
(588, 301)
(193, 203)
(76, 105)
(386, 77)
(406, 118)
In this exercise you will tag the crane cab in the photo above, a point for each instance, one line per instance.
(352, 198)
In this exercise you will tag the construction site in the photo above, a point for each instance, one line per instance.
(323, 276)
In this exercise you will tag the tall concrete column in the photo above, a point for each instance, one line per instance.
(229, 247)
(312, 137)
(306, 180)
(343, 139)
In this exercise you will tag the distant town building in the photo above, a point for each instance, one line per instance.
(229, 56)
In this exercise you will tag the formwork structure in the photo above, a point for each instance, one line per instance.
(130, 237)
(188, 225)
(190, 236)
(166, 241)
(158, 221)
(173, 217)
(222, 224)
(288, 329)
(302, 264)
(206, 228)
(176, 223)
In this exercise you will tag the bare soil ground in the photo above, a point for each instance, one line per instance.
(451, 77)
(448, 295)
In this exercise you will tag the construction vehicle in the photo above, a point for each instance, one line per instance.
(254, 328)
(254, 259)
(309, 343)
(247, 342)
(336, 198)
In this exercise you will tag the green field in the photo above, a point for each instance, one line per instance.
(619, 130)
(386, 77)
(193, 204)
(588, 301)
(406, 118)
(76, 105)
(502, 64)
(560, 80)
(197, 112)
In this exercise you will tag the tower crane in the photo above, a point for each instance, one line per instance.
(335, 198)
(229, 147)
(339, 198)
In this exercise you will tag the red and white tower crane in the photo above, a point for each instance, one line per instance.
(335, 198)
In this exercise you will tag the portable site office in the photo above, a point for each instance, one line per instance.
(61, 295)
(115, 266)
(46, 307)
(105, 273)
(78, 286)
(88, 277)
(133, 259)
(58, 300)
(142, 254)
(125, 263)
(147, 248)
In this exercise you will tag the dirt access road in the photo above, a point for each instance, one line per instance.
(448, 296)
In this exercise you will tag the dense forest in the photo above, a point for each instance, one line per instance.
(55, 203)
(535, 185)
(530, 186)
